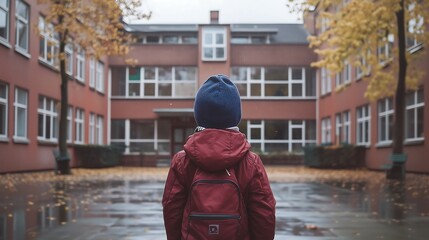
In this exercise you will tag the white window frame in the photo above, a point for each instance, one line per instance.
(414, 109)
(99, 76)
(363, 125)
(92, 72)
(384, 116)
(4, 102)
(339, 79)
(52, 115)
(326, 130)
(26, 22)
(347, 72)
(384, 57)
(414, 24)
(325, 79)
(91, 128)
(212, 32)
(5, 9)
(20, 106)
(80, 65)
(51, 43)
(69, 58)
(99, 130)
(79, 126)
(69, 124)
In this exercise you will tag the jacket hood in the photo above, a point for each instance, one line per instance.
(216, 149)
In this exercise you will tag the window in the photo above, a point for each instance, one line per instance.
(342, 127)
(274, 82)
(347, 72)
(157, 81)
(279, 135)
(384, 51)
(385, 120)
(22, 26)
(48, 45)
(119, 81)
(99, 130)
(189, 39)
(4, 21)
(415, 28)
(243, 39)
(326, 130)
(3, 110)
(152, 39)
(79, 126)
(91, 128)
(69, 124)
(414, 118)
(80, 65)
(21, 103)
(214, 44)
(69, 59)
(325, 77)
(99, 77)
(138, 136)
(170, 39)
(363, 127)
(92, 73)
(48, 119)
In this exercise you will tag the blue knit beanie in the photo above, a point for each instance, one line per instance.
(217, 104)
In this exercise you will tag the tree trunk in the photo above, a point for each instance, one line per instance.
(397, 171)
(63, 159)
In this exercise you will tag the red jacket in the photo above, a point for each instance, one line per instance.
(213, 150)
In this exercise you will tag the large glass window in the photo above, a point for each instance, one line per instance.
(80, 65)
(274, 82)
(48, 43)
(363, 125)
(92, 72)
(3, 109)
(4, 20)
(99, 130)
(21, 110)
(142, 136)
(326, 130)
(415, 28)
(385, 51)
(414, 120)
(214, 44)
(342, 127)
(385, 120)
(141, 82)
(325, 79)
(80, 126)
(99, 77)
(48, 119)
(279, 135)
(22, 25)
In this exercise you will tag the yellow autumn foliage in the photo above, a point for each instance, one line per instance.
(356, 29)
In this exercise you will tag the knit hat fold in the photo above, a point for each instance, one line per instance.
(217, 103)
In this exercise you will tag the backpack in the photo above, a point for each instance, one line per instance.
(215, 206)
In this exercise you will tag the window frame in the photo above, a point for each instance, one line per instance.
(99, 76)
(6, 10)
(383, 117)
(99, 130)
(326, 130)
(79, 126)
(213, 46)
(5, 101)
(80, 65)
(363, 133)
(91, 132)
(26, 23)
(46, 113)
(51, 43)
(23, 106)
(413, 108)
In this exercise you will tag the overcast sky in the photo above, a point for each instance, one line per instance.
(231, 11)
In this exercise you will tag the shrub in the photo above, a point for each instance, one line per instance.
(98, 156)
(343, 156)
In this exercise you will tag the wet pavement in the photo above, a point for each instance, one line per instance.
(126, 204)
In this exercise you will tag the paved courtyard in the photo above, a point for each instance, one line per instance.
(125, 203)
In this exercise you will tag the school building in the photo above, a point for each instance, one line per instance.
(147, 108)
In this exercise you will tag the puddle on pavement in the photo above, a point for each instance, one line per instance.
(31, 209)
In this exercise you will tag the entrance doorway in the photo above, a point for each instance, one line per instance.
(180, 134)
